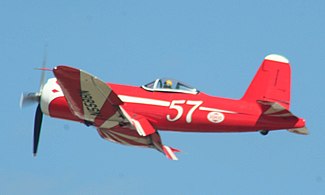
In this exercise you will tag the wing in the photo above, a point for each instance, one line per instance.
(93, 101)
(89, 98)
(130, 137)
(146, 130)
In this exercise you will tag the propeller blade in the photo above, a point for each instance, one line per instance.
(42, 81)
(28, 99)
(37, 127)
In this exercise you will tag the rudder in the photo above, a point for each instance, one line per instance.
(272, 82)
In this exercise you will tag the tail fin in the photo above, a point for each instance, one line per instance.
(271, 82)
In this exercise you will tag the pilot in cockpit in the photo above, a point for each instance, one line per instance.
(168, 84)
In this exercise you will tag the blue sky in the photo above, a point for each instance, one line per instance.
(216, 46)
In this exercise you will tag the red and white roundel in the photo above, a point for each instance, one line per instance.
(216, 117)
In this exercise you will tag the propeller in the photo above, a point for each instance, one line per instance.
(37, 127)
(35, 97)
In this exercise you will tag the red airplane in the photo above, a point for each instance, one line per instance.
(132, 115)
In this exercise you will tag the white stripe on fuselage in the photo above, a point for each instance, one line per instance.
(155, 102)
(216, 110)
(138, 100)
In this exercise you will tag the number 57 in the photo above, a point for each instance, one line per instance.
(180, 110)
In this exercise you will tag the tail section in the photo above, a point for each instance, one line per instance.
(276, 114)
(272, 82)
(270, 88)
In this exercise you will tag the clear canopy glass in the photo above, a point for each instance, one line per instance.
(169, 85)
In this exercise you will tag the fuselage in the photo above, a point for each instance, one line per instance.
(133, 115)
(177, 111)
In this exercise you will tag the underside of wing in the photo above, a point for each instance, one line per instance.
(94, 102)
(89, 98)
(130, 137)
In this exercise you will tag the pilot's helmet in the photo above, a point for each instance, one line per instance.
(168, 83)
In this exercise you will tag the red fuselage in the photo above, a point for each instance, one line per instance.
(132, 115)
(187, 112)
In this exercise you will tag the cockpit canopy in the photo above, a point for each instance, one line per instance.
(169, 85)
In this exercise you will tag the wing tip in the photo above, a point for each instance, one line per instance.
(169, 152)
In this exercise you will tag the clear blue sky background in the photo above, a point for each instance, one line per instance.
(216, 46)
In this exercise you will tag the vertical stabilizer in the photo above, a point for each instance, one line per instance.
(271, 82)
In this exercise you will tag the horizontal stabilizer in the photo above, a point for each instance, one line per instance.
(274, 109)
(302, 131)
